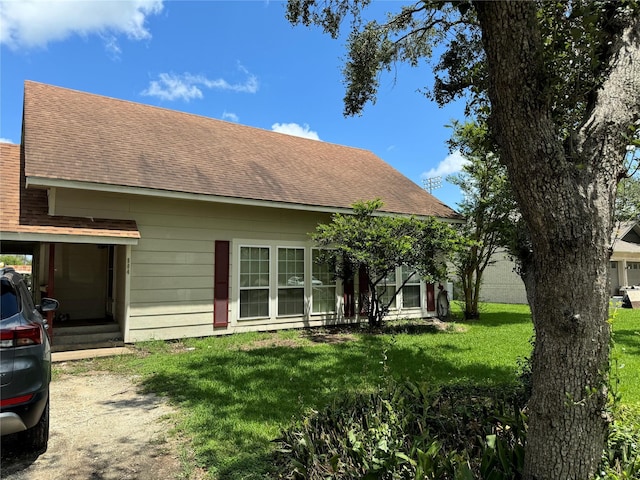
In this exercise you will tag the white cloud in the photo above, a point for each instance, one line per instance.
(35, 23)
(5, 140)
(295, 130)
(451, 164)
(172, 87)
(187, 86)
(230, 116)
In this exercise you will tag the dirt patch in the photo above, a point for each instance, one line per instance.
(304, 340)
(102, 427)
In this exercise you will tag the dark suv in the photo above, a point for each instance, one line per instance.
(25, 364)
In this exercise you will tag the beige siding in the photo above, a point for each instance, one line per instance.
(501, 284)
(171, 279)
(172, 270)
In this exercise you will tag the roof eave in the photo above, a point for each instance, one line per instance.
(47, 182)
(50, 237)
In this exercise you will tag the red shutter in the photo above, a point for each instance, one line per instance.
(349, 299)
(431, 297)
(221, 285)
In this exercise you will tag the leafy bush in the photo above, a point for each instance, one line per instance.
(410, 431)
(621, 459)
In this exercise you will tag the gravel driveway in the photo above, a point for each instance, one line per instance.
(102, 427)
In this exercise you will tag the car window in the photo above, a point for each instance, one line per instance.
(25, 294)
(9, 304)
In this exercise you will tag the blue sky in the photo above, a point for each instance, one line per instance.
(239, 61)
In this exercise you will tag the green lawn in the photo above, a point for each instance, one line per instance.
(237, 391)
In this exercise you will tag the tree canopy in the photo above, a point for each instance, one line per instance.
(487, 205)
(374, 245)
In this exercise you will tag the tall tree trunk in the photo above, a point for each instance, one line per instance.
(566, 203)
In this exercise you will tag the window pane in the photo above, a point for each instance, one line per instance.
(290, 267)
(385, 293)
(254, 273)
(323, 273)
(405, 274)
(290, 301)
(324, 299)
(323, 284)
(411, 296)
(254, 303)
(9, 301)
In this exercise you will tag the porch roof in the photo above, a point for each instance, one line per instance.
(620, 238)
(24, 212)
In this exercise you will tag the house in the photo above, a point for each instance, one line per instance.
(625, 260)
(175, 225)
(502, 284)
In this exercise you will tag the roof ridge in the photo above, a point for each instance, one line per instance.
(191, 114)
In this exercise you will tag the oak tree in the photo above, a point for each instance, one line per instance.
(562, 81)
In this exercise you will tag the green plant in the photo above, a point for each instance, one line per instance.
(621, 459)
(410, 431)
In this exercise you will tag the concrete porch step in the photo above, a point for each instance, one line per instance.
(69, 347)
(71, 355)
(62, 330)
(84, 337)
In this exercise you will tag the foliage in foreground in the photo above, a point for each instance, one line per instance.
(455, 432)
(621, 459)
(412, 432)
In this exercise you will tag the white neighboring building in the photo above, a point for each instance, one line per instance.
(501, 283)
(624, 269)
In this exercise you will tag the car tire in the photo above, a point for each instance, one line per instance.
(37, 438)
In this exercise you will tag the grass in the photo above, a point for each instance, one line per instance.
(626, 353)
(236, 392)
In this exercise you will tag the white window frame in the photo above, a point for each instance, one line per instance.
(333, 285)
(267, 287)
(411, 283)
(303, 287)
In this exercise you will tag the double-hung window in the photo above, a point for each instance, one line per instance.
(386, 289)
(254, 282)
(323, 284)
(411, 289)
(290, 281)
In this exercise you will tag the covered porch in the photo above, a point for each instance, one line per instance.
(81, 262)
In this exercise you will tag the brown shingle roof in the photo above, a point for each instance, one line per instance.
(25, 211)
(76, 136)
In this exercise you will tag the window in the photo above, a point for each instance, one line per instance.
(323, 284)
(290, 281)
(254, 282)
(9, 300)
(411, 289)
(386, 289)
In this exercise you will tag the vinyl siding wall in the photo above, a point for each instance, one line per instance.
(500, 282)
(172, 268)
